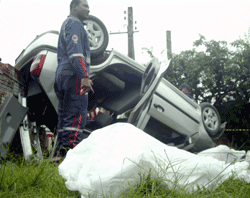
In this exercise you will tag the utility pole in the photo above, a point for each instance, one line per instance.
(130, 32)
(131, 52)
(169, 44)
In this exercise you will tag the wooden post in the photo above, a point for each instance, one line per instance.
(169, 44)
(131, 52)
(130, 32)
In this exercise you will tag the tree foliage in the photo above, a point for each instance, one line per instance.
(213, 71)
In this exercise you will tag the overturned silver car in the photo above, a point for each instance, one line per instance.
(131, 92)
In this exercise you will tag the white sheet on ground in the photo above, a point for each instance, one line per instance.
(110, 159)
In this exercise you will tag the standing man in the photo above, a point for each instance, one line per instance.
(72, 82)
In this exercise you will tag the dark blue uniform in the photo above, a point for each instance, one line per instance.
(189, 95)
(73, 64)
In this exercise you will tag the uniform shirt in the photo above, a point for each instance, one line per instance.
(189, 95)
(73, 51)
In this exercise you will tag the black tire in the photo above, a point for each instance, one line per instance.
(98, 44)
(211, 119)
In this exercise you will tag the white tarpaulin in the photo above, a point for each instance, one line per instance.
(112, 157)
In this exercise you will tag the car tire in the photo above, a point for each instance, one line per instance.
(211, 119)
(98, 35)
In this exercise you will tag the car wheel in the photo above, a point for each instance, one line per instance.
(211, 119)
(98, 35)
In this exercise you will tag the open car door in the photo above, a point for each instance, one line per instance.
(150, 80)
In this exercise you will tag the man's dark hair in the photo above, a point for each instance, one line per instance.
(74, 3)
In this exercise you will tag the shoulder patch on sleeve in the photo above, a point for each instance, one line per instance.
(75, 38)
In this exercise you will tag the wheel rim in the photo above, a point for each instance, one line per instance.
(95, 34)
(210, 118)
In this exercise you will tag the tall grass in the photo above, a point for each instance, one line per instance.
(155, 188)
(19, 178)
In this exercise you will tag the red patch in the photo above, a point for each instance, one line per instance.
(75, 38)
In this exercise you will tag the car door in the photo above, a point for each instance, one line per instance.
(151, 79)
(12, 114)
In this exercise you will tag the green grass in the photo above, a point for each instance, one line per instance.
(155, 188)
(32, 179)
(41, 179)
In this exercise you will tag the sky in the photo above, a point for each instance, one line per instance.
(228, 20)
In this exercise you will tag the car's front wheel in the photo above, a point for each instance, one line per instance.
(211, 119)
(98, 35)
